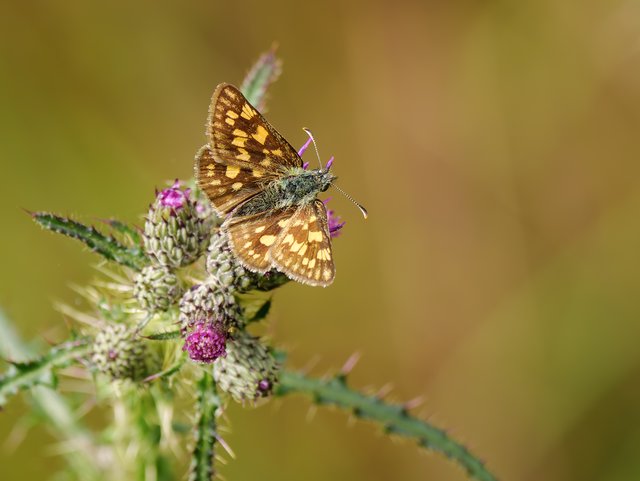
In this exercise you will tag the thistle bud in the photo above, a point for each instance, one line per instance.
(208, 303)
(119, 353)
(157, 288)
(175, 234)
(223, 266)
(248, 371)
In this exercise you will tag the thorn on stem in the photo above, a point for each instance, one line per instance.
(414, 403)
(225, 446)
(311, 412)
(351, 363)
(384, 390)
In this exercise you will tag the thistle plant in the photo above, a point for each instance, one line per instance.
(168, 321)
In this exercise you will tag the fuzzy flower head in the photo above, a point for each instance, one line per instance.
(174, 197)
(206, 343)
(334, 221)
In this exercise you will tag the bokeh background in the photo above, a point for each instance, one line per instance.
(496, 146)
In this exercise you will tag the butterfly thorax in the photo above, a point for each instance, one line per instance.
(297, 188)
(302, 186)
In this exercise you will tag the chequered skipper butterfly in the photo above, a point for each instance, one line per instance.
(256, 182)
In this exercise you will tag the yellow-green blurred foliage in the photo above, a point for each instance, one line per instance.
(496, 145)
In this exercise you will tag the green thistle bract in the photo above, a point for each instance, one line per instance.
(157, 288)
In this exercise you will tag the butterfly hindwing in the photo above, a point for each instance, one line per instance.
(227, 186)
(252, 237)
(303, 249)
(240, 136)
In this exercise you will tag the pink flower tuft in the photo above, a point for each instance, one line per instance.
(206, 343)
(174, 197)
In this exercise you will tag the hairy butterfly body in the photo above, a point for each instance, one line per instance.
(255, 180)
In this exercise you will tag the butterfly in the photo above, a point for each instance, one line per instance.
(256, 182)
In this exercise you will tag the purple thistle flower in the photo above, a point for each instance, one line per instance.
(333, 220)
(206, 343)
(174, 197)
(264, 385)
(304, 147)
(329, 163)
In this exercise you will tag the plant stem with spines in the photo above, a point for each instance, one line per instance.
(26, 374)
(208, 404)
(394, 417)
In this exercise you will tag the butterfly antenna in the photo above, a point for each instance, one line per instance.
(308, 132)
(359, 206)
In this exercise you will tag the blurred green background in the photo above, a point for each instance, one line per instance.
(496, 146)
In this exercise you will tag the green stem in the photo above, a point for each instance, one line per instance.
(395, 418)
(202, 458)
(137, 435)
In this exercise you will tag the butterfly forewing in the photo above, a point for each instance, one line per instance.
(252, 237)
(227, 186)
(303, 249)
(240, 136)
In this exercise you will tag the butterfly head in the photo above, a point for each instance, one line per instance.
(317, 180)
(324, 176)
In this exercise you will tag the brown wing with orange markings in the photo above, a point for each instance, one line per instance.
(240, 136)
(303, 249)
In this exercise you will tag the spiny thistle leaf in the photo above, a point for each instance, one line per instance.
(40, 371)
(164, 336)
(393, 417)
(262, 312)
(203, 455)
(264, 72)
(106, 246)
